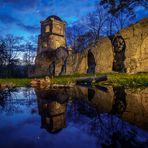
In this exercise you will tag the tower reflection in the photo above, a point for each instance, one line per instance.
(52, 109)
(53, 116)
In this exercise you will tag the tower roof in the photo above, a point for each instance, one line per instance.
(55, 17)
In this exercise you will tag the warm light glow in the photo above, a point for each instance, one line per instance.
(47, 28)
(58, 29)
(57, 44)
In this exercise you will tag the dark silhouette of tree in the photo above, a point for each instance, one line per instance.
(72, 34)
(121, 13)
(12, 62)
(12, 46)
(3, 55)
(28, 56)
(116, 6)
(96, 21)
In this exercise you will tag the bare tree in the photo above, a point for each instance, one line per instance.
(29, 56)
(3, 55)
(122, 20)
(72, 32)
(96, 21)
(116, 6)
(11, 45)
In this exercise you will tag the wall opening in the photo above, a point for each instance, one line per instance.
(51, 69)
(63, 69)
(91, 62)
(91, 94)
(119, 47)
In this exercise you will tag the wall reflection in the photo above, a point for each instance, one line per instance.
(118, 101)
(88, 113)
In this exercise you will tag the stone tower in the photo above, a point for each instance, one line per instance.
(52, 34)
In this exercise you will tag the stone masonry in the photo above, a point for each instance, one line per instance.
(126, 51)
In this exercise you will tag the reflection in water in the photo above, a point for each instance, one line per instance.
(119, 105)
(53, 116)
(12, 102)
(91, 94)
(52, 108)
(108, 129)
(80, 117)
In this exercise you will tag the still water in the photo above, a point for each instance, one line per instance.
(73, 118)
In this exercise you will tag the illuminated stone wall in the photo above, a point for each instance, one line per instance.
(52, 34)
(126, 52)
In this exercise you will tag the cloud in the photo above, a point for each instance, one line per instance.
(25, 15)
(20, 4)
(9, 20)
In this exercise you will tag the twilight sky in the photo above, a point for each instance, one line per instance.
(22, 17)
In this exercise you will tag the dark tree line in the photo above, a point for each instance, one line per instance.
(16, 55)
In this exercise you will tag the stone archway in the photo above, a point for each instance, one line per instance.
(119, 54)
(91, 62)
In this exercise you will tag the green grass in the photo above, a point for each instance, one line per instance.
(115, 79)
(16, 81)
(130, 80)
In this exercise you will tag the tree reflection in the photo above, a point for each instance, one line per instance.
(108, 129)
(16, 100)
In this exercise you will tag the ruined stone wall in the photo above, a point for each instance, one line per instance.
(76, 63)
(136, 52)
(103, 58)
(43, 61)
(135, 55)
(101, 55)
(134, 58)
(54, 59)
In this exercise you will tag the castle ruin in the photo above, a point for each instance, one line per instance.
(124, 52)
(52, 34)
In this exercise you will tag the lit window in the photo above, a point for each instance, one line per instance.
(44, 44)
(58, 28)
(47, 28)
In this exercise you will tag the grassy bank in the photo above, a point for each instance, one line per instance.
(127, 80)
(15, 81)
(114, 79)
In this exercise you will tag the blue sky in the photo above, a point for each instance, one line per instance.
(22, 17)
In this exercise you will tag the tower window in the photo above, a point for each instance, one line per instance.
(58, 28)
(44, 45)
(47, 28)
